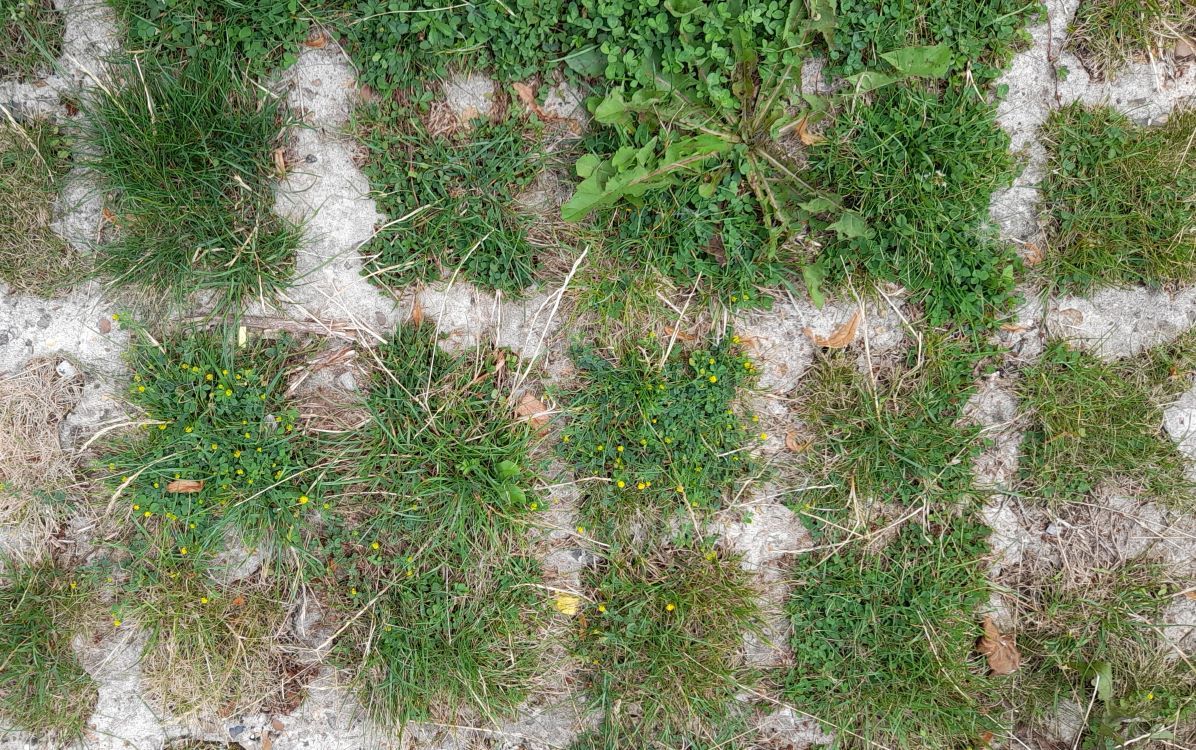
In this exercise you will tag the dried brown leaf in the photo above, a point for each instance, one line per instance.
(417, 313)
(716, 248)
(105, 325)
(841, 337)
(317, 39)
(793, 445)
(1034, 254)
(681, 335)
(808, 138)
(533, 410)
(1001, 650)
(185, 486)
(280, 161)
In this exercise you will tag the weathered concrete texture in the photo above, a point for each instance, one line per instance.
(783, 340)
(89, 36)
(326, 192)
(122, 719)
(73, 325)
(1121, 322)
(994, 408)
(469, 96)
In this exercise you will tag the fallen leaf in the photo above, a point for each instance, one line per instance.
(716, 248)
(267, 741)
(840, 337)
(417, 313)
(238, 601)
(278, 725)
(1190, 595)
(808, 138)
(109, 216)
(681, 335)
(1034, 254)
(280, 161)
(366, 94)
(566, 604)
(1001, 650)
(105, 325)
(317, 40)
(793, 445)
(986, 739)
(1014, 328)
(185, 486)
(534, 410)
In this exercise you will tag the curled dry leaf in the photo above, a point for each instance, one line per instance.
(808, 138)
(280, 161)
(841, 337)
(681, 335)
(1033, 255)
(533, 410)
(105, 325)
(185, 486)
(1001, 650)
(317, 39)
(417, 313)
(794, 445)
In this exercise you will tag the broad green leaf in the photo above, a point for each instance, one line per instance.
(822, 19)
(924, 62)
(870, 80)
(507, 469)
(819, 205)
(589, 62)
(851, 225)
(613, 110)
(681, 8)
(813, 276)
(587, 164)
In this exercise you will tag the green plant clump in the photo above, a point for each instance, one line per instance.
(982, 36)
(34, 156)
(1090, 422)
(430, 528)
(662, 639)
(1120, 199)
(921, 168)
(186, 156)
(30, 36)
(884, 642)
(218, 451)
(258, 33)
(450, 198)
(900, 438)
(1106, 34)
(657, 435)
(43, 689)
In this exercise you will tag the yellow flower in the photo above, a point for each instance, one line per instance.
(141, 389)
(74, 585)
(640, 485)
(209, 377)
(670, 607)
(534, 506)
(714, 378)
(681, 488)
(116, 623)
(734, 339)
(764, 436)
(247, 436)
(375, 545)
(353, 591)
(619, 448)
(224, 372)
(148, 514)
(161, 427)
(236, 454)
(240, 472)
(621, 484)
(203, 600)
(228, 391)
(565, 439)
(136, 507)
(182, 550)
(156, 485)
(187, 428)
(581, 529)
(566, 604)
(601, 447)
(601, 607)
(303, 499)
(214, 446)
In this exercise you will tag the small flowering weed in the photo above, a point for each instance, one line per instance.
(43, 689)
(647, 437)
(217, 449)
(661, 637)
(428, 536)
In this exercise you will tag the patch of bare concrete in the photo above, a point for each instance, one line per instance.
(1113, 323)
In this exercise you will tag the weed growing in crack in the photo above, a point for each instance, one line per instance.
(1119, 198)
(982, 36)
(451, 198)
(921, 167)
(43, 689)
(884, 638)
(1106, 34)
(896, 439)
(186, 155)
(651, 435)
(30, 37)
(258, 33)
(217, 456)
(34, 157)
(1096, 642)
(1092, 422)
(661, 638)
(428, 528)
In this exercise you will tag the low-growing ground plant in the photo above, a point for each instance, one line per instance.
(1106, 34)
(895, 436)
(661, 637)
(1095, 641)
(426, 538)
(1089, 422)
(920, 167)
(34, 157)
(982, 36)
(1119, 198)
(216, 459)
(653, 433)
(185, 154)
(43, 688)
(451, 198)
(255, 33)
(30, 37)
(884, 639)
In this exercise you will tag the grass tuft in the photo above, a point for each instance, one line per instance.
(30, 37)
(1090, 422)
(457, 188)
(185, 154)
(1106, 34)
(34, 157)
(43, 689)
(1121, 199)
(922, 168)
(662, 637)
(426, 540)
